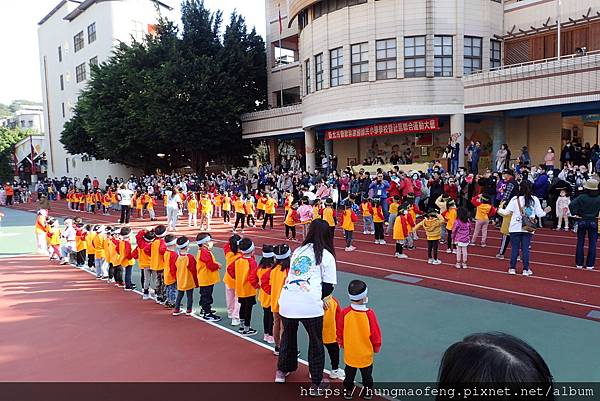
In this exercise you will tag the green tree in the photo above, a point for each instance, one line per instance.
(4, 111)
(8, 138)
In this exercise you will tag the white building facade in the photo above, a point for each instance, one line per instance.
(373, 76)
(72, 37)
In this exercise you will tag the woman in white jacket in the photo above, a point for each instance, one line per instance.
(523, 204)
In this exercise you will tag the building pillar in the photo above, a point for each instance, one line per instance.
(457, 132)
(272, 151)
(310, 143)
(328, 147)
(498, 137)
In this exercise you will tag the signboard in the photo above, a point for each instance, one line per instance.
(590, 118)
(391, 128)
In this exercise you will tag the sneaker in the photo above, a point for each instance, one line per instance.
(270, 340)
(188, 312)
(276, 351)
(241, 329)
(211, 317)
(436, 262)
(249, 332)
(145, 297)
(454, 251)
(430, 261)
(235, 322)
(347, 249)
(365, 232)
(457, 265)
(483, 245)
(590, 268)
(527, 272)
(351, 248)
(499, 256)
(337, 374)
(396, 255)
(317, 390)
(104, 278)
(265, 337)
(464, 265)
(448, 250)
(178, 312)
(579, 267)
(512, 271)
(382, 242)
(280, 376)
(347, 394)
(402, 256)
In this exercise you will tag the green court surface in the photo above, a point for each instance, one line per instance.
(417, 323)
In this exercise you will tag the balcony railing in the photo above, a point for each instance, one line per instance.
(273, 112)
(549, 79)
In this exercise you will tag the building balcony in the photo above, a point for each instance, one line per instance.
(570, 79)
(273, 122)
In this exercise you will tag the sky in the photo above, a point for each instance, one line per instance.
(20, 75)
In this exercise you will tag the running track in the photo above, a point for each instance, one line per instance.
(556, 285)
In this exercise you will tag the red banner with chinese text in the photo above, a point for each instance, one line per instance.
(392, 128)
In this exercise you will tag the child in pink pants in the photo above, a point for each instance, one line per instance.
(482, 217)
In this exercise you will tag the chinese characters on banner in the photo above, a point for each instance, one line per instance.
(392, 128)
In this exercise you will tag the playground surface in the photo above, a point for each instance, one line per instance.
(61, 324)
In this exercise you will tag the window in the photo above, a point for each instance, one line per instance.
(62, 83)
(414, 56)
(386, 58)
(80, 73)
(307, 75)
(442, 61)
(355, 2)
(360, 62)
(472, 54)
(78, 41)
(137, 30)
(63, 109)
(336, 70)
(60, 54)
(93, 61)
(319, 71)
(495, 53)
(302, 19)
(318, 10)
(92, 33)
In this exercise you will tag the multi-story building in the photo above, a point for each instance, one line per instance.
(28, 117)
(365, 78)
(74, 36)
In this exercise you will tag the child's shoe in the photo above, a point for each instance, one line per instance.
(178, 312)
(211, 317)
(270, 340)
(448, 250)
(337, 374)
(235, 322)
(436, 262)
(457, 265)
(276, 351)
(382, 242)
(430, 261)
(464, 265)
(249, 332)
(188, 312)
(402, 256)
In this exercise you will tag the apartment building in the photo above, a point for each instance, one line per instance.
(365, 78)
(72, 37)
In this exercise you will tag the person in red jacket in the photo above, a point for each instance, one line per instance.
(359, 334)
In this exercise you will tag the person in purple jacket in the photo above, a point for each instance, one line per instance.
(461, 233)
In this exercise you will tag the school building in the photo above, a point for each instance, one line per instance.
(364, 78)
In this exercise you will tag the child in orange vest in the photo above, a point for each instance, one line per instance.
(206, 212)
(126, 258)
(329, 216)
(192, 207)
(450, 217)
(231, 255)
(80, 244)
(276, 282)
(402, 229)
(90, 250)
(348, 220)
(331, 315)
(242, 270)
(153, 276)
(359, 334)
(482, 217)
(240, 212)
(249, 206)
(367, 213)
(208, 275)
(291, 219)
(53, 235)
(263, 275)
(170, 272)
(226, 207)
(187, 277)
(378, 220)
(270, 206)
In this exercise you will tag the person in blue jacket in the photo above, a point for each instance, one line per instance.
(379, 188)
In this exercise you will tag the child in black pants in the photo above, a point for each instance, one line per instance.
(245, 287)
(354, 332)
(331, 314)
(263, 278)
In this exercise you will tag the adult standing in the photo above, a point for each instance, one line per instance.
(87, 183)
(567, 155)
(173, 207)
(475, 156)
(586, 207)
(311, 278)
(109, 181)
(124, 196)
(379, 188)
(455, 152)
(325, 165)
(549, 159)
(501, 157)
(524, 205)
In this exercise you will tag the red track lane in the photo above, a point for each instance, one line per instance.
(556, 285)
(60, 324)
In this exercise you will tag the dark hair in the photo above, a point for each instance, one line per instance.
(356, 287)
(125, 231)
(525, 191)
(233, 243)
(320, 237)
(201, 236)
(493, 358)
(267, 262)
(245, 244)
(169, 238)
(182, 240)
(282, 249)
(462, 214)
